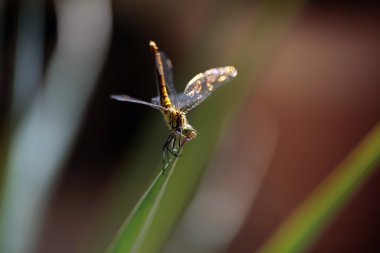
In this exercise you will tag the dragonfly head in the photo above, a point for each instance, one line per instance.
(189, 132)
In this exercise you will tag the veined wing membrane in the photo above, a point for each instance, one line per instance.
(164, 76)
(203, 84)
(126, 98)
(168, 75)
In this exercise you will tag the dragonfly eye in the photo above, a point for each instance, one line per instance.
(192, 134)
(189, 132)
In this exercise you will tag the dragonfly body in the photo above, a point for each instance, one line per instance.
(174, 106)
(160, 76)
(175, 118)
(178, 124)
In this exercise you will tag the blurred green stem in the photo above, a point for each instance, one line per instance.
(315, 213)
(41, 140)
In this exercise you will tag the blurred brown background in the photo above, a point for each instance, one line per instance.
(316, 98)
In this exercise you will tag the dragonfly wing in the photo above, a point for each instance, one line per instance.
(203, 84)
(126, 98)
(155, 100)
(164, 76)
(167, 67)
(168, 77)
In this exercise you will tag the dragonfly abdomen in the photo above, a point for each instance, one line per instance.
(164, 96)
(165, 101)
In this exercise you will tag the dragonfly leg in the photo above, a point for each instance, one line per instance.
(173, 146)
(184, 141)
(170, 148)
(165, 152)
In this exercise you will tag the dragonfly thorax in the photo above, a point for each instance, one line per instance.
(177, 122)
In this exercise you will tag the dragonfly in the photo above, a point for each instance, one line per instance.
(174, 106)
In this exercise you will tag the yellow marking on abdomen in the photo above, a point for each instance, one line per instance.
(164, 96)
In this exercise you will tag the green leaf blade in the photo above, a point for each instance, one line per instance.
(131, 235)
(309, 219)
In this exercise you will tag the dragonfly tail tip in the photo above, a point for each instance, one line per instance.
(152, 44)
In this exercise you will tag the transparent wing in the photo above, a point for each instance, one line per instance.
(163, 70)
(167, 67)
(126, 98)
(203, 84)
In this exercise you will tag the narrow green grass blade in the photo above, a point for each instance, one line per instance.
(132, 233)
(314, 214)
